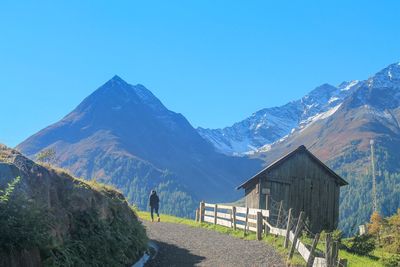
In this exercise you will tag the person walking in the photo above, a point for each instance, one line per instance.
(154, 202)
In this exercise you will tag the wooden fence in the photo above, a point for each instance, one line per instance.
(257, 220)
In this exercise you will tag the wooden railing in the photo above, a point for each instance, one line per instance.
(257, 220)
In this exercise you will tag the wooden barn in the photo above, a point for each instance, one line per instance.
(302, 182)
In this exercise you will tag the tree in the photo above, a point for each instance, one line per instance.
(46, 156)
(375, 225)
(393, 244)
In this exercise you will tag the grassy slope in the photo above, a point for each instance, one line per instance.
(276, 242)
(125, 237)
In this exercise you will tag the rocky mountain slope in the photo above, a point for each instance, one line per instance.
(271, 124)
(123, 135)
(49, 218)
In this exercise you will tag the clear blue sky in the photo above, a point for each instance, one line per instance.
(216, 62)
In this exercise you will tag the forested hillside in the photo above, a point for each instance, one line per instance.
(357, 199)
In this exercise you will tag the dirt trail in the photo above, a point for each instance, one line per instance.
(182, 245)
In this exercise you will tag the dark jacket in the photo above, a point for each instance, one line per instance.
(154, 200)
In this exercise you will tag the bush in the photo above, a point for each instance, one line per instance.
(23, 224)
(391, 261)
(362, 244)
(98, 242)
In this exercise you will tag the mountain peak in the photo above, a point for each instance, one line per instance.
(387, 77)
(116, 80)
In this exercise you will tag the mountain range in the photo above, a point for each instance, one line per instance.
(269, 125)
(123, 135)
(336, 124)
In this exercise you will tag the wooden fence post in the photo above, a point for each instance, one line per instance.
(311, 258)
(259, 225)
(246, 223)
(196, 217)
(299, 226)
(202, 210)
(279, 214)
(234, 218)
(328, 250)
(335, 253)
(215, 213)
(286, 244)
(343, 262)
(267, 230)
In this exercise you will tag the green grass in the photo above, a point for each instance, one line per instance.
(354, 260)
(359, 261)
(276, 242)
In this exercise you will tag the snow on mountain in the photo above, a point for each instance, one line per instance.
(388, 77)
(270, 125)
(262, 127)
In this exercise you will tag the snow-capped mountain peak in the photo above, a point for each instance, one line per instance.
(270, 125)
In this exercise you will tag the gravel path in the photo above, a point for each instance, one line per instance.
(182, 245)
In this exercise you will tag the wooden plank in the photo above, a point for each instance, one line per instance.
(291, 236)
(240, 218)
(319, 262)
(277, 231)
(224, 207)
(253, 211)
(241, 210)
(265, 213)
(253, 229)
(209, 205)
(302, 249)
(223, 215)
(209, 213)
(224, 222)
(252, 220)
(209, 219)
(268, 224)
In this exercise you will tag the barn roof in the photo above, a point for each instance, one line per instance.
(276, 163)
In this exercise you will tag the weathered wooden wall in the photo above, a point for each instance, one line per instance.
(303, 185)
(252, 195)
